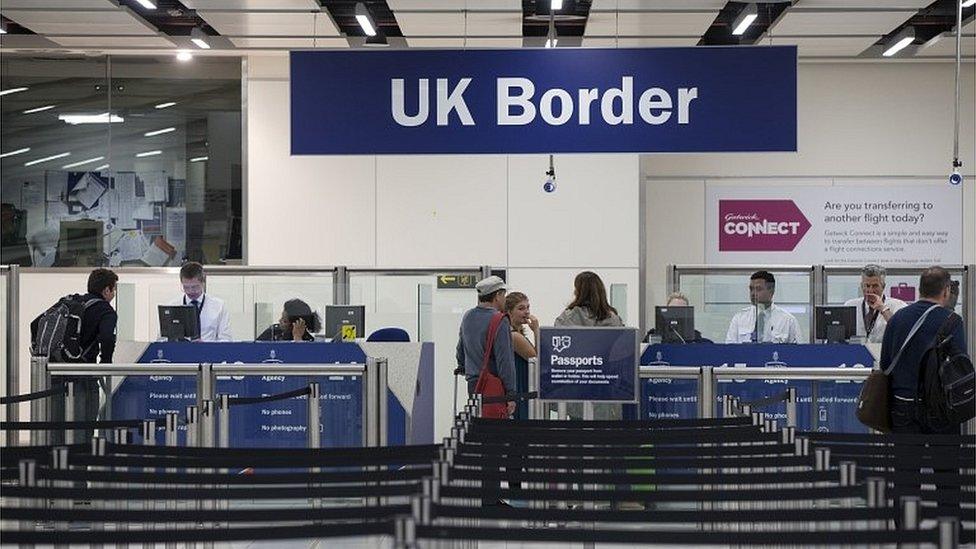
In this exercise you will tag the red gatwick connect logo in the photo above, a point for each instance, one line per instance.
(760, 225)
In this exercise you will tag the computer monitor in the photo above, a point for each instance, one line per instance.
(836, 324)
(345, 322)
(675, 324)
(179, 322)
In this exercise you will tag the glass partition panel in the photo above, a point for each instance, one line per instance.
(717, 297)
(4, 310)
(268, 295)
(842, 285)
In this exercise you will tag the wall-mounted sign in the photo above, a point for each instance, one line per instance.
(455, 281)
(588, 364)
(544, 100)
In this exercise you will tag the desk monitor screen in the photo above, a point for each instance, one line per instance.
(179, 322)
(345, 322)
(836, 324)
(675, 324)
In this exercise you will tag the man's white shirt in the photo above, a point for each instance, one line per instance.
(214, 319)
(779, 326)
(877, 331)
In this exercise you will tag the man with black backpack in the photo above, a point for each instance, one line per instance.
(925, 346)
(79, 328)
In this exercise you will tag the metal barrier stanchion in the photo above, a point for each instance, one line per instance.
(223, 421)
(69, 411)
(370, 436)
(205, 432)
(821, 459)
(791, 406)
(172, 440)
(948, 532)
(206, 382)
(27, 477)
(98, 449)
(534, 405)
(314, 421)
(192, 425)
(910, 516)
(40, 409)
(706, 393)
(382, 387)
(59, 462)
(148, 433)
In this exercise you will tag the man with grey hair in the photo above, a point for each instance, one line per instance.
(473, 335)
(873, 308)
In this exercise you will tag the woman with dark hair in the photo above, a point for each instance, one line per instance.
(589, 306)
(517, 309)
(297, 323)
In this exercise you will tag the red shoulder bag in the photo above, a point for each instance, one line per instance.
(490, 385)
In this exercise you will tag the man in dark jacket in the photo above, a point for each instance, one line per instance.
(97, 341)
(908, 412)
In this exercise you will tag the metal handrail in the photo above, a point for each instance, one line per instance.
(672, 372)
(805, 373)
(169, 368)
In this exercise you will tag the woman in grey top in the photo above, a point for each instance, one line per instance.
(589, 306)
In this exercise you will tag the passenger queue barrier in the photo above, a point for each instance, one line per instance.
(210, 417)
(727, 481)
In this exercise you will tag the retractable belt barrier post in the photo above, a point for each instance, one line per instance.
(314, 421)
(223, 421)
(40, 409)
(69, 411)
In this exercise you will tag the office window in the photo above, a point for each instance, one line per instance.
(120, 160)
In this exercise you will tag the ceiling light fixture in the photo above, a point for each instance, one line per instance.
(376, 41)
(184, 56)
(165, 105)
(147, 4)
(899, 41)
(102, 167)
(82, 163)
(365, 20)
(39, 109)
(148, 153)
(11, 153)
(13, 90)
(745, 18)
(159, 132)
(47, 159)
(969, 3)
(200, 38)
(556, 5)
(104, 118)
(200, 159)
(3, 27)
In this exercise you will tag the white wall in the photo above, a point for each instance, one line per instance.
(854, 120)
(437, 211)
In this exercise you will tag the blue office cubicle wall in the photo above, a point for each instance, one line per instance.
(274, 424)
(664, 398)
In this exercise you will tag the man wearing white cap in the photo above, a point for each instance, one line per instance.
(474, 333)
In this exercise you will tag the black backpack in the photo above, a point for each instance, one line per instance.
(947, 381)
(58, 334)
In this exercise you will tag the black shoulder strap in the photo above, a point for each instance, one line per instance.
(945, 331)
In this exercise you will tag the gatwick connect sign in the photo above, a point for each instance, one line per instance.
(533, 100)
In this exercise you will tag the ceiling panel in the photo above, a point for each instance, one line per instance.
(79, 22)
(454, 5)
(430, 24)
(641, 5)
(243, 5)
(649, 23)
(640, 42)
(59, 4)
(813, 23)
(946, 47)
(445, 42)
(825, 46)
(290, 42)
(870, 4)
(113, 41)
(267, 23)
(494, 24)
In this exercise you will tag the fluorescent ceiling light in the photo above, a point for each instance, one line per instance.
(969, 3)
(39, 109)
(148, 153)
(183, 55)
(365, 20)
(899, 42)
(159, 132)
(746, 18)
(47, 158)
(200, 38)
(83, 162)
(165, 105)
(102, 167)
(3, 27)
(556, 5)
(14, 90)
(11, 153)
(104, 118)
(376, 41)
(200, 159)
(147, 4)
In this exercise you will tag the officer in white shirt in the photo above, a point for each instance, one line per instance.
(214, 319)
(763, 322)
(873, 309)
